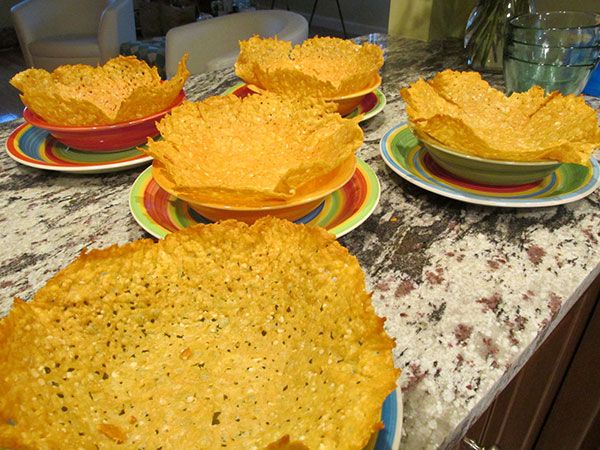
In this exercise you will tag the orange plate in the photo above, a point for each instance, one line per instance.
(306, 199)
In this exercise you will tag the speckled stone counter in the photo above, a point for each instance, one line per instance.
(469, 292)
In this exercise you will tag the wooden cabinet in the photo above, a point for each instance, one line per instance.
(554, 400)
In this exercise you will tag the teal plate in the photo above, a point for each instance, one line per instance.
(406, 156)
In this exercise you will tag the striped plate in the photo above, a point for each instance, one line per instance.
(160, 213)
(370, 106)
(35, 147)
(391, 416)
(403, 153)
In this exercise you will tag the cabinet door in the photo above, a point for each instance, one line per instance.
(516, 419)
(574, 420)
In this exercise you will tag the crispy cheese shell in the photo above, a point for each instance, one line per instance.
(264, 147)
(248, 336)
(462, 112)
(121, 90)
(319, 67)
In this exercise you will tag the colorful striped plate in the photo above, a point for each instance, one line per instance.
(370, 106)
(35, 147)
(391, 416)
(403, 153)
(160, 213)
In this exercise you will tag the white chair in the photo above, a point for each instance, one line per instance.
(214, 43)
(56, 32)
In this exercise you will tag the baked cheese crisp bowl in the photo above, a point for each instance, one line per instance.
(307, 198)
(104, 138)
(479, 134)
(100, 109)
(487, 171)
(333, 69)
(246, 158)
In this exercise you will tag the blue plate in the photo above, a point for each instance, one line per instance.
(391, 416)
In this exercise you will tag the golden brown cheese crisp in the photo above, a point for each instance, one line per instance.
(463, 112)
(220, 336)
(123, 89)
(245, 151)
(319, 67)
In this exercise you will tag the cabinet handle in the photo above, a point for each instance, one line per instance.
(472, 445)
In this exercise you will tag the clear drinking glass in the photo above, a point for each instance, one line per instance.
(553, 55)
(521, 75)
(555, 50)
(556, 29)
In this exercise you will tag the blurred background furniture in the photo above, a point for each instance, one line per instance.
(150, 50)
(214, 44)
(55, 32)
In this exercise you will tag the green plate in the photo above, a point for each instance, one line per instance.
(405, 155)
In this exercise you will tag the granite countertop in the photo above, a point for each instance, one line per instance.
(469, 292)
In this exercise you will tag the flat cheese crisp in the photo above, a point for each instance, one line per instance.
(220, 336)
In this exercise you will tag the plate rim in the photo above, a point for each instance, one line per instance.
(131, 197)
(400, 420)
(381, 103)
(480, 199)
(397, 437)
(370, 208)
(92, 168)
(158, 231)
